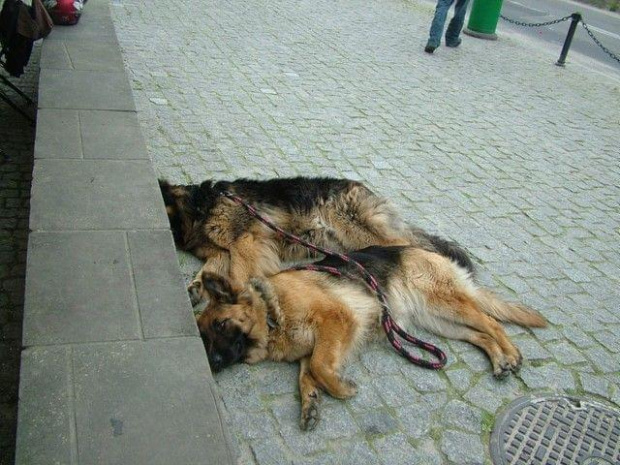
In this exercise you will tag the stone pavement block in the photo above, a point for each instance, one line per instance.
(112, 135)
(95, 25)
(90, 55)
(85, 90)
(97, 194)
(45, 432)
(55, 55)
(68, 298)
(132, 398)
(165, 309)
(58, 134)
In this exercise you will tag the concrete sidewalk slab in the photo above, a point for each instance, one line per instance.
(79, 289)
(114, 370)
(106, 135)
(127, 402)
(160, 290)
(95, 194)
(84, 90)
(82, 56)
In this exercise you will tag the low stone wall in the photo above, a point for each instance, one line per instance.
(113, 369)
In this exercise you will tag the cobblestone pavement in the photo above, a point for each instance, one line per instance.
(16, 155)
(489, 144)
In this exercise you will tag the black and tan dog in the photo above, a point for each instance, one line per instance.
(320, 319)
(338, 214)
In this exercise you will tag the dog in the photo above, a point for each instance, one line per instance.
(320, 319)
(338, 214)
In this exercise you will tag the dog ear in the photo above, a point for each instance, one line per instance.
(166, 192)
(219, 288)
(245, 296)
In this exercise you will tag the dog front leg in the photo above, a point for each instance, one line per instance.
(310, 397)
(218, 263)
(244, 259)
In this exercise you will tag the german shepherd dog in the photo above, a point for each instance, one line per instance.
(319, 319)
(337, 214)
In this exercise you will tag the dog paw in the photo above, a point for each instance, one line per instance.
(349, 388)
(515, 365)
(501, 372)
(195, 292)
(310, 415)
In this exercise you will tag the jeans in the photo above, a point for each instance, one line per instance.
(455, 26)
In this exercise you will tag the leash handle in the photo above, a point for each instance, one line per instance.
(391, 328)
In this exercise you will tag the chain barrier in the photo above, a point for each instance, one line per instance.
(575, 17)
(548, 23)
(598, 42)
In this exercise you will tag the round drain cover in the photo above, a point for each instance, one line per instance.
(556, 430)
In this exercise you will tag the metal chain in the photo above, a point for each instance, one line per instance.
(598, 42)
(548, 23)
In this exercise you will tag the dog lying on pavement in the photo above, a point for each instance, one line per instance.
(338, 214)
(320, 319)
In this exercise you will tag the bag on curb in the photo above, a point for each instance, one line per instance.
(64, 12)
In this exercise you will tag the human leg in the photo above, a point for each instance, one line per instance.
(439, 20)
(456, 24)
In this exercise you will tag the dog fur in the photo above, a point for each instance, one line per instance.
(320, 319)
(338, 214)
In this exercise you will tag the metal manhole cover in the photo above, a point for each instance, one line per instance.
(556, 430)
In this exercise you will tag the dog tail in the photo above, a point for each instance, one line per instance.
(510, 312)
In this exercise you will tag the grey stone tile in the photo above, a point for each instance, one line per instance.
(356, 452)
(270, 452)
(58, 134)
(336, 421)
(82, 55)
(46, 432)
(462, 448)
(395, 450)
(146, 402)
(55, 55)
(417, 419)
(376, 422)
(97, 194)
(595, 384)
(84, 90)
(95, 24)
(458, 414)
(68, 289)
(112, 135)
(549, 376)
(165, 310)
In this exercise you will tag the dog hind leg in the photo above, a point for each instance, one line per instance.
(333, 341)
(462, 309)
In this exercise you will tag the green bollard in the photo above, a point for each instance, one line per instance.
(483, 19)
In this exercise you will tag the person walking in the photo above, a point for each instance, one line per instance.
(454, 28)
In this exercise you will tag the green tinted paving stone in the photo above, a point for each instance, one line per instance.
(556, 429)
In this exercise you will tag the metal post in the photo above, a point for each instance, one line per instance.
(576, 17)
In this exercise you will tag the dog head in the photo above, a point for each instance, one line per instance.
(232, 323)
(187, 206)
(177, 201)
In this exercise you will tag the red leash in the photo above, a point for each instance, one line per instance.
(389, 325)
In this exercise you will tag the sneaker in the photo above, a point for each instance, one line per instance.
(454, 44)
(430, 48)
